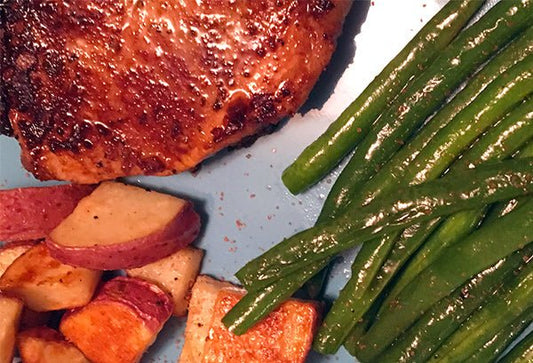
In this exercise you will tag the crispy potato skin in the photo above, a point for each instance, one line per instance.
(98, 90)
(45, 345)
(125, 307)
(31, 213)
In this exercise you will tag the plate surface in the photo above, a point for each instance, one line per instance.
(244, 206)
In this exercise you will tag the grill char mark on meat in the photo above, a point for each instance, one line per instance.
(101, 89)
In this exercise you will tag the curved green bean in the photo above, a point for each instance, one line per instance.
(353, 124)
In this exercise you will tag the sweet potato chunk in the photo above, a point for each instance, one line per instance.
(45, 345)
(120, 323)
(45, 284)
(121, 226)
(31, 213)
(175, 274)
(10, 311)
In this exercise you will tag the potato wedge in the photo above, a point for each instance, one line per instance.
(122, 226)
(11, 251)
(45, 345)
(120, 323)
(201, 306)
(284, 336)
(175, 274)
(10, 311)
(31, 213)
(45, 284)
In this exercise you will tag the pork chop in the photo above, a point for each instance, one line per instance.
(99, 89)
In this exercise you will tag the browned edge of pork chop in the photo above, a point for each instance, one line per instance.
(100, 89)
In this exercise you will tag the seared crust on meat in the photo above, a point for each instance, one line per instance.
(99, 89)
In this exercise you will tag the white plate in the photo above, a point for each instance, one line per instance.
(245, 207)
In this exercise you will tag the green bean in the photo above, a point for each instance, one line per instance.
(456, 264)
(466, 190)
(445, 316)
(317, 266)
(499, 142)
(353, 124)
(522, 352)
(500, 96)
(461, 58)
(487, 321)
(394, 170)
(492, 348)
(256, 305)
(356, 298)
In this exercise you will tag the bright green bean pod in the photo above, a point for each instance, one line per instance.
(455, 265)
(460, 59)
(493, 316)
(429, 332)
(356, 298)
(499, 142)
(522, 352)
(500, 96)
(353, 124)
(492, 349)
(256, 305)
(395, 170)
(452, 193)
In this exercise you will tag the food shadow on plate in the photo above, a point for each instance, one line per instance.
(341, 58)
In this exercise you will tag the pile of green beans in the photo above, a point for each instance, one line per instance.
(417, 194)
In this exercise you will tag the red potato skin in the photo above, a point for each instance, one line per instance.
(31, 213)
(149, 301)
(130, 309)
(179, 233)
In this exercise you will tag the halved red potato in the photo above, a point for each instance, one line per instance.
(11, 251)
(45, 345)
(31, 213)
(120, 323)
(121, 226)
(175, 274)
(284, 336)
(10, 311)
(45, 284)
